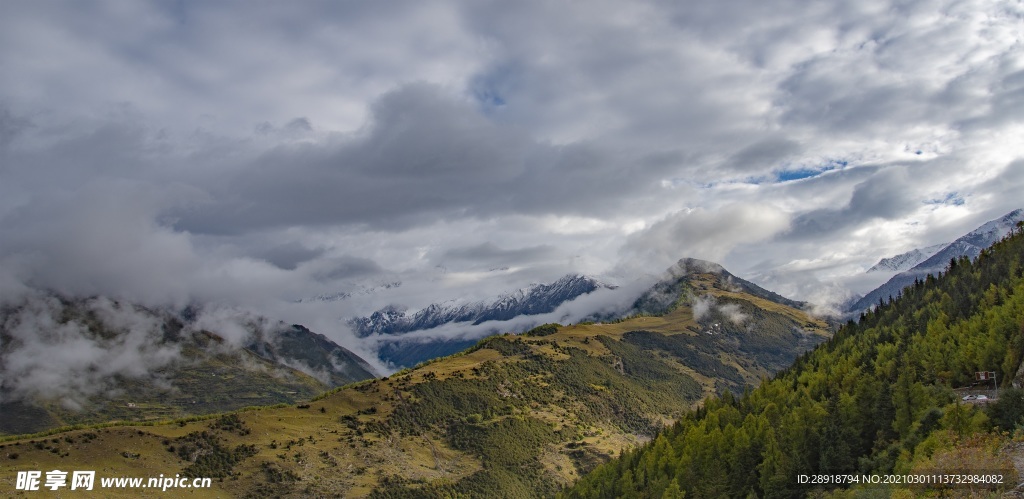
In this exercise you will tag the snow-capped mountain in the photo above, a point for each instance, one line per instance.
(908, 260)
(532, 300)
(969, 245)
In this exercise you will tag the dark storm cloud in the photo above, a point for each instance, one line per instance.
(288, 256)
(881, 196)
(346, 267)
(425, 155)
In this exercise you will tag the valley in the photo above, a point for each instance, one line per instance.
(514, 416)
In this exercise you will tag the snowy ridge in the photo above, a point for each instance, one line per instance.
(908, 260)
(969, 245)
(532, 300)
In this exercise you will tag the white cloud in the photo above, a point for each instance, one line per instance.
(60, 359)
(703, 233)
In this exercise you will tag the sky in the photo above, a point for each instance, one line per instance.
(260, 154)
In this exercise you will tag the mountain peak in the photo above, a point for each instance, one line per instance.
(908, 260)
(663, 296)
(687, 265)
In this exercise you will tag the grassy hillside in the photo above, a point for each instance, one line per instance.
(884, 395)
(515, 416)
(210, 383)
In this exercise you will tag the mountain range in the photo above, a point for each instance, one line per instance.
(969, 245)
(531, 300)
(514, 416)
(394, 322)
(534, 300)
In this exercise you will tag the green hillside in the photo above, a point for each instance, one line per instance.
(515, 416)
(884, 395)
(209, 383)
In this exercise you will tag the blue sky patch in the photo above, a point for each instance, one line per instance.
(786, 176)
(952, 198)
(802, 173)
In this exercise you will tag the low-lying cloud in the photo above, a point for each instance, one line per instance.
(48, 357)
(704, 306)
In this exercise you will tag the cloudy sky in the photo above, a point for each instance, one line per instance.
(259, 153)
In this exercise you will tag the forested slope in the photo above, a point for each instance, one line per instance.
(877, 398)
